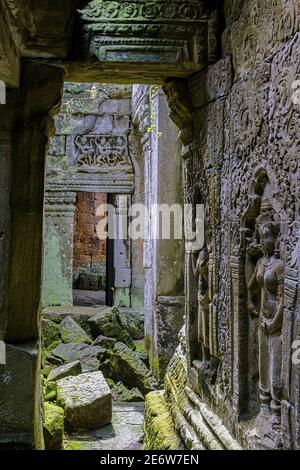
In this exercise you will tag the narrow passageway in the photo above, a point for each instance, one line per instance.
(95, 365)
(149, 225)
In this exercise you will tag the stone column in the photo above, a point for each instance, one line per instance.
(122, 253)
(137, 246)
(58, 248)
(26, 123)
(165, 268)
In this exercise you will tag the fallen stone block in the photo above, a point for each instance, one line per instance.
(71, 332)
(132, 320)
(88, 355)
(123, 364)
(106, 323)
(105, 342)
(68, 370)
(122, 394)
(86, 400)
(80, 314)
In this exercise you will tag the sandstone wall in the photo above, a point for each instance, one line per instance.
(243, 165)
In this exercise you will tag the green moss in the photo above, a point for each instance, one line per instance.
(140, 347)
(53, 426)
(50, 332)
(160, 433)
(74, 445)
(43, 358)
(50, 391)
(54, 345)
(45, 372)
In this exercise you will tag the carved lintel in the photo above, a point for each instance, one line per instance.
(181, 34)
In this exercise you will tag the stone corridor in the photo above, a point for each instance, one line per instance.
(115, 116)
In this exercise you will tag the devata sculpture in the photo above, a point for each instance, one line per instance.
(266, 299)
(200, 269)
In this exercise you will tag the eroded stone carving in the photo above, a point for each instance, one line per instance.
(266, 299)
(190, 10)
(200, 268)
(180, 108)
(99, 150)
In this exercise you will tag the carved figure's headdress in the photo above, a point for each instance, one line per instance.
(268, 219)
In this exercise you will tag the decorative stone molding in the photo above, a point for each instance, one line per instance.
(177, 34)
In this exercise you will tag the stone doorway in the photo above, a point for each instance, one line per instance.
(89, 251)
(93, 153)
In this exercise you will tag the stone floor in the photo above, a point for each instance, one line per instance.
(125, 432)
(88, 298)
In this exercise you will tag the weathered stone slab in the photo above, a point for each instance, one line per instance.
(87, 355)
(68, 370)
(105, 342)
(71, 332)
(125, 365)
(80, 314)
(132, 320)
(86, 399)
(105, 323)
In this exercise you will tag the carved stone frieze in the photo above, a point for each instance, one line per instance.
(174, 33)
(95, 151)
(154, 11)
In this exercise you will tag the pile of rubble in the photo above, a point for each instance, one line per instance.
(91, 356)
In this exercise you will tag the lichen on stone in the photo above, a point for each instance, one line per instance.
(159, 429)
(53, 426)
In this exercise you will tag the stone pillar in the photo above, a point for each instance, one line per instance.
(122, 253)
(137, 246)
(5, 188)
(58, 248)
(26, 123)
(165, 265)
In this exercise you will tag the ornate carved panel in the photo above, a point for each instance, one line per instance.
(96, 151)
